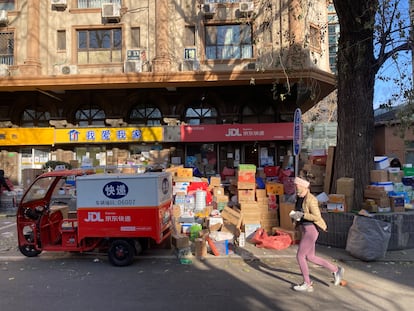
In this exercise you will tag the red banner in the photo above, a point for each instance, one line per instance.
(237, 132)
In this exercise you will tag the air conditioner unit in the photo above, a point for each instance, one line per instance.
(66, 69)
(246, 7)
(208, 9)
(133, 66)
(190, 65)
(4, 20)
(59, 3)
(4, 70)
(111, 11)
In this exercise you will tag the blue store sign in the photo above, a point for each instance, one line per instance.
(297, 131)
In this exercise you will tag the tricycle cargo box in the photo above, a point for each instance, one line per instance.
(123, 190)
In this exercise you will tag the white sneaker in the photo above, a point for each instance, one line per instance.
(304, 287)
(338, 276)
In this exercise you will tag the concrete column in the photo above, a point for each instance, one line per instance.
(296, 59)
(32, 64)
(162, 60)
(296, 23)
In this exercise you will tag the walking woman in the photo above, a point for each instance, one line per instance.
(308, 217)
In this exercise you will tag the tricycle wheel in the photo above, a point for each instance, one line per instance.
(29, 250)
(121, 253)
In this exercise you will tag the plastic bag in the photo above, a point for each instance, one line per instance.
(279, 241)
(368, 238)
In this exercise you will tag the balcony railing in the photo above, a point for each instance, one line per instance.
(6, 60)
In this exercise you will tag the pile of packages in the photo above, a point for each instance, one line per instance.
(390, 188)
(212, 215)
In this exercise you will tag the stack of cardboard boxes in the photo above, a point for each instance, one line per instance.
(386, 192)
(255, 208)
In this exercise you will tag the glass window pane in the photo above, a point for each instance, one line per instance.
(229, 41)
(82, 39)
(7, 5)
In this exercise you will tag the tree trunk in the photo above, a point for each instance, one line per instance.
(354, 156)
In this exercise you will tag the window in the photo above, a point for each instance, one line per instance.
(249, 116)
(99, 46)
(201, 114)
(189, 36)
(35, 116)
(314, 37)
(89, 4)
(135, 37)
(90, 115)
(8, 5)
(61, 39)
(7, 48)
(145, 114)
(229, 42)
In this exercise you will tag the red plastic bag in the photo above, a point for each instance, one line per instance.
(259, 236)
(279, 241)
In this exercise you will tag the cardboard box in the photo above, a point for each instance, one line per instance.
(246, 177)
(218, 191)
(371, 192)
(395, 175)
(232, 216)
(215, 181)
(285, 221)
(260, 193)
(336, 198)
(246, 185)
(345, 186)
(180, 241)
(246, 195)
(397, 204)
(336, 207)
(267, 225)
(184, 172)
(251, 217)
(274, 188)
(378, 175)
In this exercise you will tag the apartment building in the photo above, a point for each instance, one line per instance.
(113, 82)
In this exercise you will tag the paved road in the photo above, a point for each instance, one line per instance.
(255, 279)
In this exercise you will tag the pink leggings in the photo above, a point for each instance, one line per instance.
(306, 252)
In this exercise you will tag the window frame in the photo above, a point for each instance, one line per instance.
(8, 58)
(232, 50)
(87, 52)
(92, 4)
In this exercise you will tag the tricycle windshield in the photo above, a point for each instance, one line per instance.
(39, 189)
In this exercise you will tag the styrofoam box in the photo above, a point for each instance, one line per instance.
(381, 162)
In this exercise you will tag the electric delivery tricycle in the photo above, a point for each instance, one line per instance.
(115, 213)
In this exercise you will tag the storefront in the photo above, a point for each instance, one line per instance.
(213, 148)
(209, 148)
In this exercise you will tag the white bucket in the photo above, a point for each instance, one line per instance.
(200, 200)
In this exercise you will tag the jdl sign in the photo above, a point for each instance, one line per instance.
(297, 131)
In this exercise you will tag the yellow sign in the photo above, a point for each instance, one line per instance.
(26, 136)
(108, 135)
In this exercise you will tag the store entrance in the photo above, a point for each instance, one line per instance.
(251, 154)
